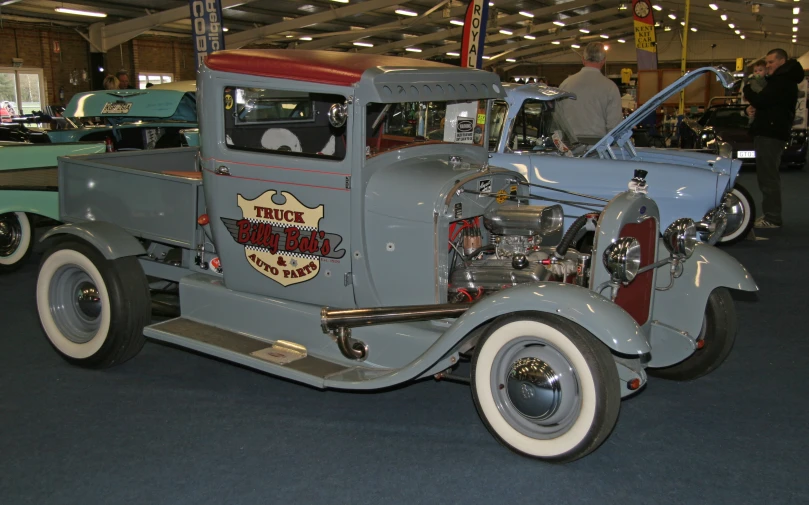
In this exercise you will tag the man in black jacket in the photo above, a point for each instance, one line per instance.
(774, 109)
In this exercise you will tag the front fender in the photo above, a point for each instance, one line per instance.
(112, 241)
(683, 306)
(42, 203)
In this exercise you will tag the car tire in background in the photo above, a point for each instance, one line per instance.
(741, 212)
(16, 240)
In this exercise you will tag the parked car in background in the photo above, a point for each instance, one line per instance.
(728, 122)
(529, 136)
(132, 118)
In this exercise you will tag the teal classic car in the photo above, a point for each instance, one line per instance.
(130, 119)
(28, 192)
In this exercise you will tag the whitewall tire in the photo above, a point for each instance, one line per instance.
(545, 387)
(741, 214)
(15, 240)
(92, 310)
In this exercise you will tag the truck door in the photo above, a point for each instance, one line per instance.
(276, 168)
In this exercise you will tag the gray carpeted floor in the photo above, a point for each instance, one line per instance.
(170, 427)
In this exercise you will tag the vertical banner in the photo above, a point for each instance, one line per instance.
(645, 41)
(474, 33)
(206, 28)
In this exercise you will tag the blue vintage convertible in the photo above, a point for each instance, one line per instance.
(530, 136)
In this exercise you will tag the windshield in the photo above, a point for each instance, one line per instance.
(731, 117)
(536, 125)
(185, 112)
(398, 125)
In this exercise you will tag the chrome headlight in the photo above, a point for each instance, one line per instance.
(713, 225)
(725, 150)
(681, 237)
(622, 259)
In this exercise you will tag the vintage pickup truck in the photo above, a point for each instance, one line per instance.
(692, 184)
(319, 236)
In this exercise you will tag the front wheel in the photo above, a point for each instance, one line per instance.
(15, 240)
(545, 387)
(717, 338)
(92, 309)
(741, 213)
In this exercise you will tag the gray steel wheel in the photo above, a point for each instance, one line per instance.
(92, 309)
(15, 240)
(545, 387)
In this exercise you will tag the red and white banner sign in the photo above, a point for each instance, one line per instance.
(474, 33)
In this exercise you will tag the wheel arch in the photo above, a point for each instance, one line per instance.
(112, 241)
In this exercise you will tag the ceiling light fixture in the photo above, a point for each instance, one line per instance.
(622, 6)
(606, 47)
(737, 32)
(584, 30)
(731, 26)
(795, 21)
(657, 7)
(511, 60)
(506, 32)
(693, 28)
(794, 28)
(340, 1)
(413, 49)
(796, 10)
(305, 38)
(558, 23)
(682, 23)
(672, 16)
(604, 36)
(666, 28)
(225, 29)
(77, 12)
(529, 37)
(405, 12)
(724, 17)
(363, 44)
(575, 46)
(453, 54)
(526, 14)
(456, 22)
(622, 41)
(486, 57)
(556, 42)
(741, 37)
(713, 7)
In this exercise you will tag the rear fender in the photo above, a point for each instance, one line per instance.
(112, 241)
(41, 203)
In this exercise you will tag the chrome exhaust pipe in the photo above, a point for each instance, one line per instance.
(334, 319)
(338, 322)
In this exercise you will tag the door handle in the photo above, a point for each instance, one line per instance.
(222, 170)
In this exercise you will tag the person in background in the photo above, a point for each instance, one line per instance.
(123, 79)
(774, 109)
(111, 82)
(597, 107)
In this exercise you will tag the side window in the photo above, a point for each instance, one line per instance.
(292, 123)
(498, 119)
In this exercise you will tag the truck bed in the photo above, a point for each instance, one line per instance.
(155, 195)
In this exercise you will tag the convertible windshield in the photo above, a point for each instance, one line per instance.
(398, 125)
(537, 125)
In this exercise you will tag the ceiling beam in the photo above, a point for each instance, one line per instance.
(243, 38)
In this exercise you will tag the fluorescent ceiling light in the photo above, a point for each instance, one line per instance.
(682, 23)
(622, 41)
(724, 17)
(657, 8)
(491, 4)
(794, 21)
(672, 16)
(486, 57)
(575, 46)
(511, 60)
(363, 44)
(558, 23)
(604, 36)
(305, 38)
(731, 26)
(413, 49)
(77, 12)
(556, 42)
(694, 28)
(225, 29)
(584, 30)
(340, 1)
(529, 37)
(506, 32)
(529, 15)
(741, 37)
(796, 10)
(404, 12)
(713, 7)
(289, 36)
(666, 28)
(737, 32)
(456, 22)
(794, 28)
(453, 54)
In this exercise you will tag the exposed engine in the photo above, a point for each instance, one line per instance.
(517, 244)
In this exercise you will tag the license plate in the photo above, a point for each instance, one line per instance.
(746, 154)
(116, 108)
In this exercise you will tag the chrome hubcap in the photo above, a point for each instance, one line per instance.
(88, 300)
(734, 211)
(534, 388)
(10, 234)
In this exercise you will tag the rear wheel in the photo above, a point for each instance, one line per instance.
(92, 309)
(15, 240)
(741, 213)
(545, 387)
(718, 336)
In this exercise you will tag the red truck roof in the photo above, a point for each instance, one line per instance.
(324, 67)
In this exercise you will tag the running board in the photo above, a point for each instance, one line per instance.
(281, 358)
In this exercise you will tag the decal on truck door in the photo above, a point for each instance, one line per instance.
(283, 241)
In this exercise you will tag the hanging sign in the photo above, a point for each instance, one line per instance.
(645, 41)
(474, 33)
(206, 28)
